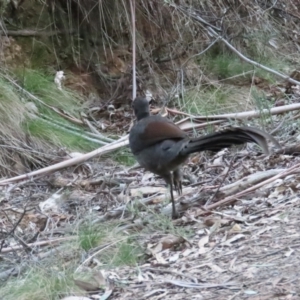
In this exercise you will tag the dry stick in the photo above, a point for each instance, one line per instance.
(178, 112)
(210, 29)
(221, 183)
(132, 9)
(251, 113)
(105, 149)
(250, 180)
(189, 125)
(11, 232)
(232, 198)
(202, 52)
(252, 62)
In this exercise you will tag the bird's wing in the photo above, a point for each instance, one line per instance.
(157, 129)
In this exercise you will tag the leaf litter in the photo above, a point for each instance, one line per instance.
(246, 249)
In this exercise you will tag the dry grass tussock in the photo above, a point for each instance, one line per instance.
(29, 128)
(12, 115)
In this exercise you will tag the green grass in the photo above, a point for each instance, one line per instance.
(124, 157)
(162, 224)
(206, 101)
(126, 253)
(42, 85)
(225, 65)
(209, 100)
(57, 136)
(52, 278)
(14, 118)
(115, 248)
(91, 236)
(47, 283)
(232, 77)
(261, 103)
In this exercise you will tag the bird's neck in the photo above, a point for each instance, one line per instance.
(142, 114)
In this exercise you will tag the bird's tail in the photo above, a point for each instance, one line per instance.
(232, 136)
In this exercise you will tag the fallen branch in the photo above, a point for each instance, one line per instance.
(248, 181)
(225, 191)
(233, 198)
(77, 160)
(245, 114)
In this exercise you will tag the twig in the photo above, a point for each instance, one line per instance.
(187, 124)
(273, 131)
(12, 231)
(202, 52)
(94, 132)
(248, 181)
(201, 285)
(238, 116)
(251, 113)
(221, 183)
(172, 272)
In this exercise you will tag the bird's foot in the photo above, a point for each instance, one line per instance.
(175, 214)
(178, 186)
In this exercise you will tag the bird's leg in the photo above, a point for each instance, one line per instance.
(177, 181)
(169, 178)
(174, 212)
